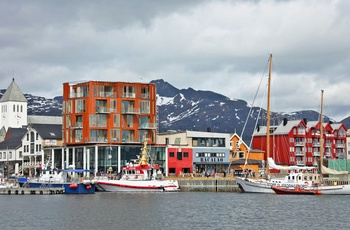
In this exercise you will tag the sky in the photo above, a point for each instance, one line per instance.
(221, 46)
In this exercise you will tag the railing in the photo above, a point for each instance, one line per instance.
(340, 145)
(316, 154)
(316, 144)
(299, 153)
(299, 143)
(103, 110)
(147, 126)
(81, 94)
(129, 95)
(105, 94)
(130, 110)
(77, 125)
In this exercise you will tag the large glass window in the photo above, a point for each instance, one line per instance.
(129, 91)
(98, 120)
(80, 106)
(98, 135)
(145, 107)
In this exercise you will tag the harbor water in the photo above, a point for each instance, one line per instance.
(179, 210)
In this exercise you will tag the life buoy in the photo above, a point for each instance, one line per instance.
(306, 183)
(127, 178)
(136, 176)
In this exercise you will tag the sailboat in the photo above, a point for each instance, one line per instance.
(295, 178)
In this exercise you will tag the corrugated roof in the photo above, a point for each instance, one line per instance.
(13, 93)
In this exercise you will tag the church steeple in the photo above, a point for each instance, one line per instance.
(13, 93)
(13, 107)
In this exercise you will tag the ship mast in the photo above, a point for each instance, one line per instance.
(268, 119)
(321, 137)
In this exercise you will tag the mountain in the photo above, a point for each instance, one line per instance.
(190, 109)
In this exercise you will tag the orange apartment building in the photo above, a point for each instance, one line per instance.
(108, 112)
(105, 123)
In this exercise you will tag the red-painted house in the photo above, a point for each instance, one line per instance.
(297, 142)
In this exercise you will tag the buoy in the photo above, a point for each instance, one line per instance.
(73, 186)
(88, 187)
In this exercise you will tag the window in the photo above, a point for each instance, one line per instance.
(185, 154)
(241, 154)
(179, 155)
(171, 154)
(37, 136)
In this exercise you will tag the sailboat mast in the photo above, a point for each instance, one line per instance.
(321, 135)
(268, 118)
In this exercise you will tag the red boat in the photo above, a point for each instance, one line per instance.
(295, 191)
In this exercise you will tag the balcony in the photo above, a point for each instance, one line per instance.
(316, 154)
(77, 125)
(300, 163)
(129, 95)
(103, 110)
(105, 94)
(96, 140)
(316, 144)
(130, 111)
(81, 94)
(147, 126)
(340, 145)
(300, 153)
(299, 143)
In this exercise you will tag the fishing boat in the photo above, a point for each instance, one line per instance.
(296, 191)
(296, 177)
(66, 181)
(138, 176)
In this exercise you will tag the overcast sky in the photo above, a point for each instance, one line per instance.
(221, 46)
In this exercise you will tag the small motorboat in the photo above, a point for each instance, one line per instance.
(295, 191)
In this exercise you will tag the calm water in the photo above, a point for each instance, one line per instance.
(181, 210)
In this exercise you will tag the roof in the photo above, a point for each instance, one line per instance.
(32, 119)
(13, 93)
(48, 131)
(13, 138)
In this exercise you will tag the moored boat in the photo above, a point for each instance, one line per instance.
(141, 176)
(61, 179)
(295, 191)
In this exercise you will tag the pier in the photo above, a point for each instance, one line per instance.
(204, 184)
(31, 191)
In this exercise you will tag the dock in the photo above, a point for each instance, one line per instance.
(31, 191)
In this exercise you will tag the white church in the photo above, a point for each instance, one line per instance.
(26, 142)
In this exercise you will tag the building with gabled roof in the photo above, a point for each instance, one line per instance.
(297, 142)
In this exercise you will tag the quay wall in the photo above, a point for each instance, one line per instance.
(207, 185)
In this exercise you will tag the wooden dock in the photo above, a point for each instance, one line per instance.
(31, 191)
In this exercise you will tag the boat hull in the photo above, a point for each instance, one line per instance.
(137, 186)
(334, 189)
(294, 191)
(66, 187)
(254, 186)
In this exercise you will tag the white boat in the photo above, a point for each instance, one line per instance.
(141, 176)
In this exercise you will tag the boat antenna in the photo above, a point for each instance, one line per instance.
(268, 118)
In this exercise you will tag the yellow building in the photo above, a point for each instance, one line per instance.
(243, 158)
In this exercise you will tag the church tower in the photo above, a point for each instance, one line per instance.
(13, 107)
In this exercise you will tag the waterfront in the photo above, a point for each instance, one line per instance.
(181, 210)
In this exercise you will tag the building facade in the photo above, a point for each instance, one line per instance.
(194, 152)
(297, 142)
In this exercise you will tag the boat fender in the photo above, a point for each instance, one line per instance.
(22, 192)
(16, 192)
(9, 192)
(41, 192)
(61, 191)
(88, 187)
(34, 192)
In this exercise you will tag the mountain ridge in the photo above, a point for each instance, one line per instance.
(190, 109)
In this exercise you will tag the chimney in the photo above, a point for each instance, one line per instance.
(305, 120)
(285, 121)
(208, 129)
